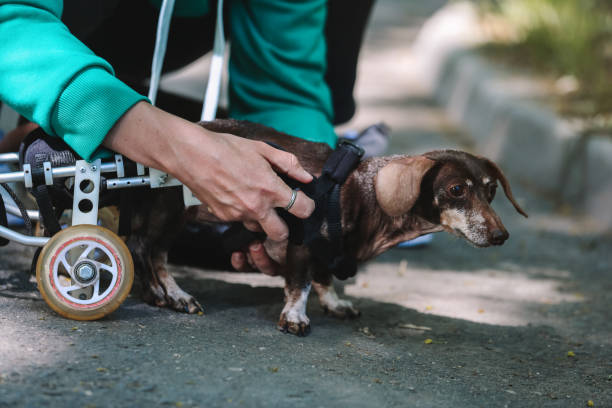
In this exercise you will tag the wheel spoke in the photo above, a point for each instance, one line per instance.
(65, 263)
(86, 251)
(65, 290)
(104, 266)
(73, 287)
(96, 290)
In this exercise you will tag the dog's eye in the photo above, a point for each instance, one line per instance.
(457, 190)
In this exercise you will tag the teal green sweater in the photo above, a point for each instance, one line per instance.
(277, 68)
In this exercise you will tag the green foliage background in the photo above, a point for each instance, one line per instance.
(568, 37)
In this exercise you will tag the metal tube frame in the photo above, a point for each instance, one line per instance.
(14, 210)
(22, 238)
(25, 177)
(9, 158)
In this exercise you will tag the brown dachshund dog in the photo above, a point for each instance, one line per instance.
(384, 201)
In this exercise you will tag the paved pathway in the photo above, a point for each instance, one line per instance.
(501, 321)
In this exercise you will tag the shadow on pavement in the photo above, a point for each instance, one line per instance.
(144, 355)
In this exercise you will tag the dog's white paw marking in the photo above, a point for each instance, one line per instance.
(332, 304)
(293, 318)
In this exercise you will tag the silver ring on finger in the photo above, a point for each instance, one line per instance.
(294, 194)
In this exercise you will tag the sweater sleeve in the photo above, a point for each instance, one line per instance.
(277, 67)
(51, 78)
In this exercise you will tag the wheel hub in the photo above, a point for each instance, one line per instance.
(85, 272)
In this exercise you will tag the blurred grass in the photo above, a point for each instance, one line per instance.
(568, 38)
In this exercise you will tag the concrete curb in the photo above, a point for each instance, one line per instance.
(530, 142)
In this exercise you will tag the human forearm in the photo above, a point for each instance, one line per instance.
(142, 134)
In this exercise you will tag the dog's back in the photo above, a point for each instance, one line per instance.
(311, 155)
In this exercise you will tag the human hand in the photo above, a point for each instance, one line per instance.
(240, 182)
(235, 177)
(256, 258)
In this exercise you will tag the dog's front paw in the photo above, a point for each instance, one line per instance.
(294, 323)
(342, 309)
(293, 318)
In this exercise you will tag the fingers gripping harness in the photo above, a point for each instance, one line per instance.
(325, 191)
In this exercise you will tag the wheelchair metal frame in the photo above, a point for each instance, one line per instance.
(87, 184)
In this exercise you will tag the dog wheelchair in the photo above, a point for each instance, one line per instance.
(84, 270)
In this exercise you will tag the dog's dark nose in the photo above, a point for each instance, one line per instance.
(498, 236)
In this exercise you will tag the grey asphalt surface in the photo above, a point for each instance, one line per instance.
(501, 320)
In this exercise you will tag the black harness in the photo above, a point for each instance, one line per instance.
(325, 192)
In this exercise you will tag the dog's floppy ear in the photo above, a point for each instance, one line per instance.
(498, 174)
(398, 184)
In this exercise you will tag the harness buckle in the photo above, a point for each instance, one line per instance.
(358, 150)
(343, 161)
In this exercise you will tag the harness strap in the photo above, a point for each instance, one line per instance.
(159, 52)
(342, 162)
(3, 221)
(44, 201)
(37, 148)
(330, 251)
(22, 210)
(325, 191)
(334, 223)
(45, 207)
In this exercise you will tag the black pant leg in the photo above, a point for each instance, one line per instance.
(123, 33)
(344, 30)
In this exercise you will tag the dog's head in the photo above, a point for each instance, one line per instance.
(452, 188)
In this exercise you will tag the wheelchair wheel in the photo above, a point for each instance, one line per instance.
(84, 272)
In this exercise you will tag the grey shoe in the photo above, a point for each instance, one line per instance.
(374, 139)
